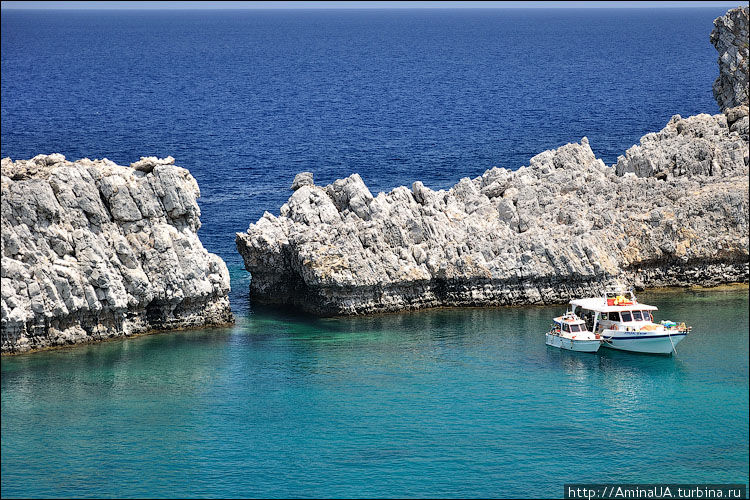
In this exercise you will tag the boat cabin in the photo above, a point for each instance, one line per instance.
(569, 323)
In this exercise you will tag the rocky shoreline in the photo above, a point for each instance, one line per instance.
(92, 250)
(487, 242)
(673, 211)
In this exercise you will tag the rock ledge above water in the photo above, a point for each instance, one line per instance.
(93, 250)
(674, 212)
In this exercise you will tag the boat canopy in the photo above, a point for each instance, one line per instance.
(599, 304)
(571, 320)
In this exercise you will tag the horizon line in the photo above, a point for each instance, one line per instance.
(355, 5)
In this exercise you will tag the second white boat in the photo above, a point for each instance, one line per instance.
(569, 332)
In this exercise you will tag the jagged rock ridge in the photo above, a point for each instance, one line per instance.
(558, 228)
(730, 37)
(672, 211)
(92, 250)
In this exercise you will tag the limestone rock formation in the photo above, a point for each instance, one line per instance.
(730, 37)
(672, 211)
(92, 250)
(302, 179)
(698, 145)
(558, 228)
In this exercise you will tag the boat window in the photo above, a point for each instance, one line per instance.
(626, 316)
(614, 316)
(637, 316)
(574, 328)
(565, 327)
(647, 316)
(604, 317)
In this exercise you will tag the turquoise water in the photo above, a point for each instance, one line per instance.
(434, 403)
(442, 403)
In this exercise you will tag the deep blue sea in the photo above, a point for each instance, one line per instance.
(436, 403)
(246, 99)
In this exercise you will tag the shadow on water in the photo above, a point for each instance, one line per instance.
(437, 320)
(510, 334)
(109, 367)
(622, 369)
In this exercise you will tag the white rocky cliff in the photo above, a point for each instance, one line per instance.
(673, 211)
(730, 37)
(92, 250)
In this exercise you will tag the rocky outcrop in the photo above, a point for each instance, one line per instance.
(701, 145)
(302, 179)
(558, 228)
(672, 212)
(92, 250)
(730, 37)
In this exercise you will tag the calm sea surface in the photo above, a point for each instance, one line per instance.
(247, 99)
(436, 403)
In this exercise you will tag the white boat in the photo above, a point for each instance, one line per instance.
(628, 325)
(569, 332)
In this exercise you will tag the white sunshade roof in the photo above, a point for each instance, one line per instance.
(600, 304)
(560, 319)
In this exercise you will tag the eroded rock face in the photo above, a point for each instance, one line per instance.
(730, 37)
(558, 228)
(672, 212)
(700, 145)
(92, 250)
(302, 179)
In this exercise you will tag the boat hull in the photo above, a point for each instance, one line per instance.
(573, 344)
(662, 343)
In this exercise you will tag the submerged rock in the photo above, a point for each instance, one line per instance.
(556, 229)
(92, 250)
